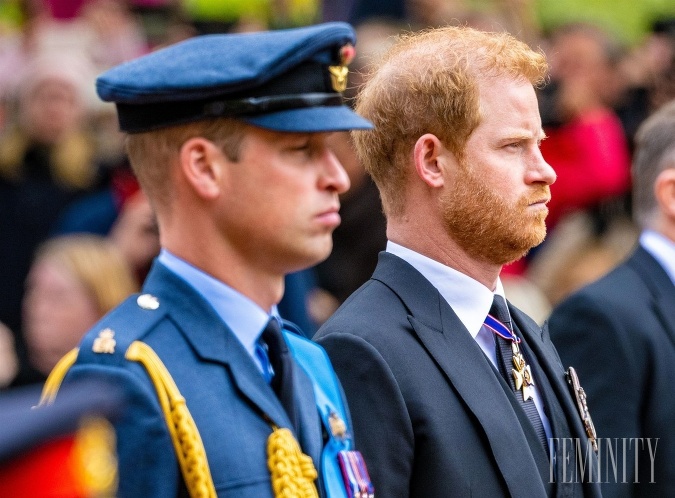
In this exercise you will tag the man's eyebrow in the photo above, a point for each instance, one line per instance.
(523, 135)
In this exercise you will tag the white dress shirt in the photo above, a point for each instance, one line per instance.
(662, 248)
(470, 300)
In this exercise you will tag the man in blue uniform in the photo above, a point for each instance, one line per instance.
(227, 136)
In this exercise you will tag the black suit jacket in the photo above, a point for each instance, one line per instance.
(432, 416)
(619, 333)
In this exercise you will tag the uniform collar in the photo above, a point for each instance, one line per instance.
(244, 317)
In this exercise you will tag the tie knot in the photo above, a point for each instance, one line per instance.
(271, 330)
(269, 347)
(500, 310)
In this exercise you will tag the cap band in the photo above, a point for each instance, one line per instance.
(256, 105)
(309, 85)
(147, 117)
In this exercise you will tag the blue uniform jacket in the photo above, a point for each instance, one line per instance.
(231, 404)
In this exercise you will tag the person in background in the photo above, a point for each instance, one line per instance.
(73, 282)
(361, 235)
(9, 362)
(453, 391)
(47, 160)
(227, 135)
(586, 144)
(588, 148)
(619, 331)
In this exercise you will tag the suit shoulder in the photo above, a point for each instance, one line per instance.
(108, 340)
(620, 289)
(372, 306)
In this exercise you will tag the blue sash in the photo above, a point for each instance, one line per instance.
(314, 360)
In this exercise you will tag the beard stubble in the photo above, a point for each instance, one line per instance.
(486, 226)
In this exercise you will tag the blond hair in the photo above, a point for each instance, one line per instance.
(96, 263)
(427, 82)
(152, 153)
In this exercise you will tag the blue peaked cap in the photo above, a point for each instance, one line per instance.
(281, 80)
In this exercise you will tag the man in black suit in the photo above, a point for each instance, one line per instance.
(442, 405)
(619, 332)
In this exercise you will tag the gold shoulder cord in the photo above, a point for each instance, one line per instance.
(184, 434)
(186, 439)
(292, 472)
(56, 376)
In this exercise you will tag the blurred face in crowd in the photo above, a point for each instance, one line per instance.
(57, 311)
(496, 206)
(50, 110)
(135, 233)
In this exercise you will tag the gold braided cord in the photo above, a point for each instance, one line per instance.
(293, 473)
(184, 433)
(53, 382)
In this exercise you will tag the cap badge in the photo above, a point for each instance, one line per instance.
(105, 342)
(338, 74)
(147, 302)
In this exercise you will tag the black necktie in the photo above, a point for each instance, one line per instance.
(281, 361)
(505, 354)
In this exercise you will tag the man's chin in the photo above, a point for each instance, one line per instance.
(313, 255)
(517, 249)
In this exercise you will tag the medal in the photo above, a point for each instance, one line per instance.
(355, 475)
(580, 397)
(522, 374)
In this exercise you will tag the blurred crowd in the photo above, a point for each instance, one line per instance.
(77, 235)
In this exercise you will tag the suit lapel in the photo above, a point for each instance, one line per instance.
(660, 286)
(560, 407)
(212, 340)
(547, 362)
(468, 370)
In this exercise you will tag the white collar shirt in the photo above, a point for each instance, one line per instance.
(662, 249)
(469, 299)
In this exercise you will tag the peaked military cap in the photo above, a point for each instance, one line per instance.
(286, 80)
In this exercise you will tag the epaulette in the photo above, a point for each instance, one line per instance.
(108, 341)
(104, 345)
(292, 472)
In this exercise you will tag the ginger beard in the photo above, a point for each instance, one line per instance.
(488, 227)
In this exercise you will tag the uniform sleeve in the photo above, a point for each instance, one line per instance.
(147, 464)
(382, 426)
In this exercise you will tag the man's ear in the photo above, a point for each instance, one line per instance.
(202, 163)
(430, 155)
(664, 189)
